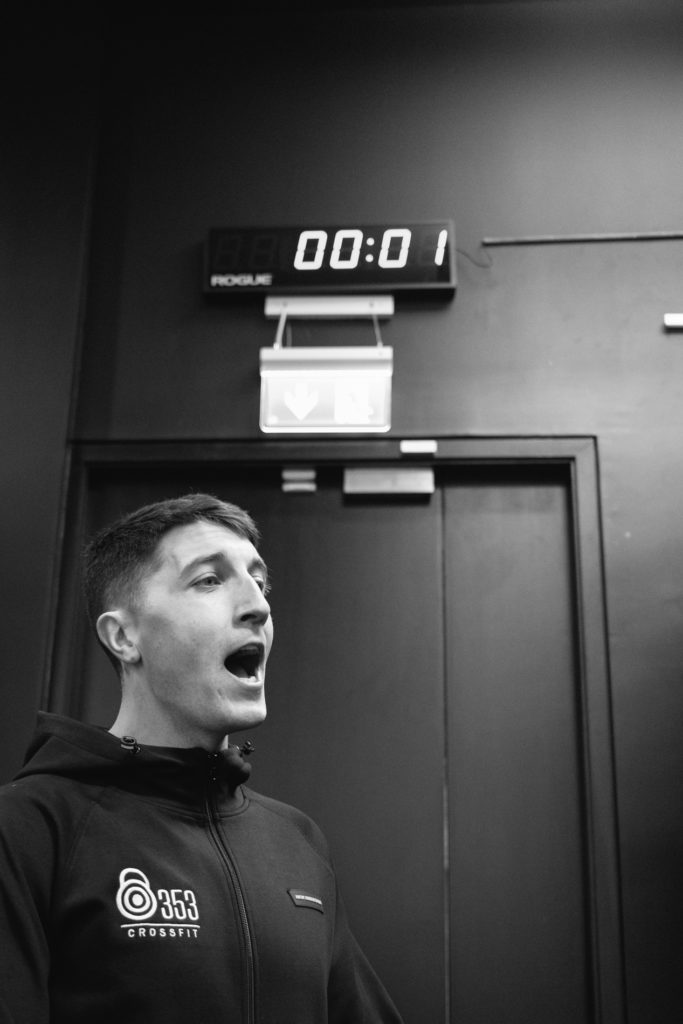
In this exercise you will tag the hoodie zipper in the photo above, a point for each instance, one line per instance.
(229, 864)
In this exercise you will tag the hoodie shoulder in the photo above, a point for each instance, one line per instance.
(64, 758)
(293, 817)
(43, 809)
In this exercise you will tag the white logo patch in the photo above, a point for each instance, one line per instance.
(166, 913)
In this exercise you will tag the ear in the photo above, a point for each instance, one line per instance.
(115, 632)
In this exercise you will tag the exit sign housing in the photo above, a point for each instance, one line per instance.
(326, 390)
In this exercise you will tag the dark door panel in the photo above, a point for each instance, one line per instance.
(518, 887)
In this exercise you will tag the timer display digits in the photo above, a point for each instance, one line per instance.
(379, 257)
(346, 249)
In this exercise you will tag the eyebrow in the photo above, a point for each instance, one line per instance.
(256, 563)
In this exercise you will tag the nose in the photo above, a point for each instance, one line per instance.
(253, 605)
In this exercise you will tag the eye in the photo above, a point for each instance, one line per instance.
(262, 583)
(207, 582)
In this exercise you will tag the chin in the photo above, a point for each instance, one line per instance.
(247, 719)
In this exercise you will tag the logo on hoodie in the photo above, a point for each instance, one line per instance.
(160, 913)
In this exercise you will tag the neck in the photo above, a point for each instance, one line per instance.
(155, 733)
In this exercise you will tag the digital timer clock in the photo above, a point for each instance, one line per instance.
(331, 258)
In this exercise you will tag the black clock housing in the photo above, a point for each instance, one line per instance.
(331, 258)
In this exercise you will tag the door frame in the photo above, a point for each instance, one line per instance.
(578, 456)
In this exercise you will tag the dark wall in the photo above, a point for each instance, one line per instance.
(514, 119)
(49, 102)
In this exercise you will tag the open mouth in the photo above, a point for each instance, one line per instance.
(245, 662)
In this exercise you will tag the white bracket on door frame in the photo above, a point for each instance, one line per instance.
(328, 307)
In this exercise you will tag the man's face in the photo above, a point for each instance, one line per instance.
(203, 631)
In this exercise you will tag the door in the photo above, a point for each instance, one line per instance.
(425, 707)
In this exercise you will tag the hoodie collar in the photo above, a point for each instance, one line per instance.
(91, 755)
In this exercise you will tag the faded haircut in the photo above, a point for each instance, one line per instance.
(117, 558)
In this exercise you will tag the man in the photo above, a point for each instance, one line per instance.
(140, 881)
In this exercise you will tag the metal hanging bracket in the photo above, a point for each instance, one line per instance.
(328, 307)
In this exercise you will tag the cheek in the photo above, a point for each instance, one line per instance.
(172, 644)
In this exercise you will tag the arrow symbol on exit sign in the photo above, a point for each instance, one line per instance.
(301, 401)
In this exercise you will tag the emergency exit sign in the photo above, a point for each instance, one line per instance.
(326, 390)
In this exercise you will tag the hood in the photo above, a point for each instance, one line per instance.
(92, 756)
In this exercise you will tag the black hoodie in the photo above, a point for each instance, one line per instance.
(145, 884)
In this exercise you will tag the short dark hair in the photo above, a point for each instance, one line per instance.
(116, 559)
